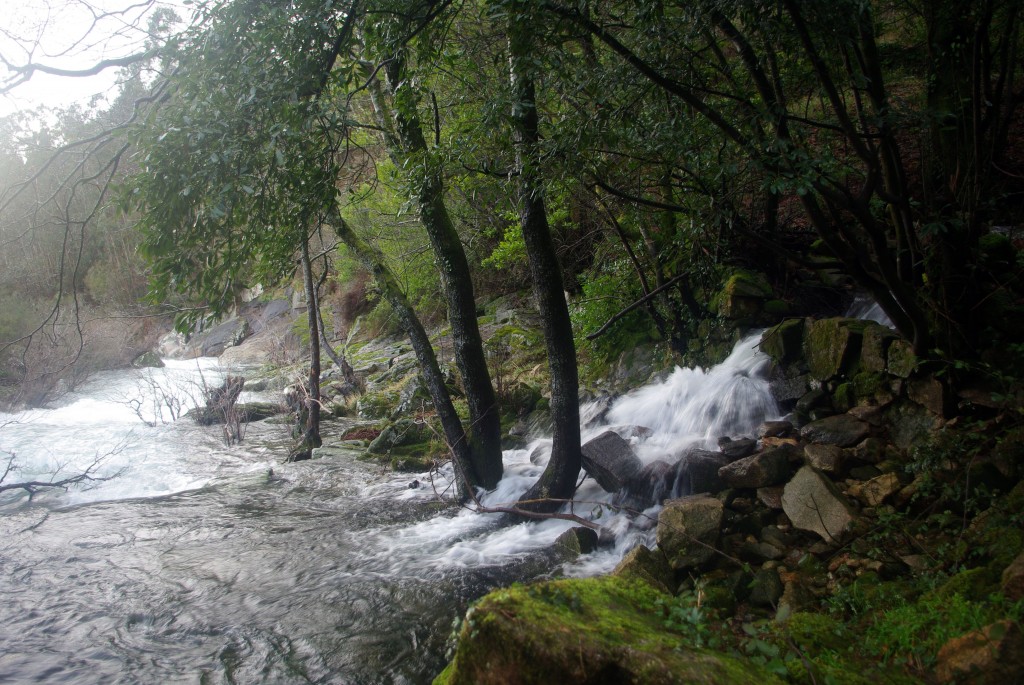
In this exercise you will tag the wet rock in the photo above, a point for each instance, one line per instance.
(213, 342)
(813, 503)
(786, 389)
(826, 458)
(869, 450)
(874, 345)
(755, 551)
(843, 430)
(401, 432)
(993, 655)
(877, 490)
(868, 414)
(774, 429)
(814, 400)
(649, 566)
(575, 541)
(650, 486)
(697, 471)
(1013, 579)
(688, 529)
(737, 449)
(148, 360)
(610, 461)
(770, 467)
(784, 342)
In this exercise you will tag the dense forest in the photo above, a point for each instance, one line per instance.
(631, 163)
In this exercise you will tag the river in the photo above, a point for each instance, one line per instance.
(207, 563)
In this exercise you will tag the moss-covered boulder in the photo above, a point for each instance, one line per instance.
(832, 347)
(598, 630)
(900, 359)
(742, 296)
(403, 432)
(783, 343)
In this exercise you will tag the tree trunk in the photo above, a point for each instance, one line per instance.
(456, 281)
(559, 478)
(454, 433)
(311, 434)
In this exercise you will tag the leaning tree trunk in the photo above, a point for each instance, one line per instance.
(456, 280)
(311, 432)
(451, 424)
(559, 478)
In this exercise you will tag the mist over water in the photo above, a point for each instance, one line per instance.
(196, 565)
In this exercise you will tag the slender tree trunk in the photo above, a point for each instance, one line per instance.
(456, 281)
(559, 478)
(454, 433)
(311, 435)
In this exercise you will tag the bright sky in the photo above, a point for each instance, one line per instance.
(69, 34)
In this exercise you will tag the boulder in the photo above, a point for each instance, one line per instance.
(766, 588)
(783, 342)
(930, 393)
(910, 424)
(572, 543)
(993, 655)
(697, 471)
(874, 345)
(610, 461)
(788, 388)
(900, 359)
(826, 458)
(595, 630)
(649, 566)
(771, 497)
(774, 429)
(877, 490)
(148, 360)
(843, 430)
(213, 342)
(832, 347)
(813, 503)
(688, 530)
(737, 449)
(401, 432)
(652, 484)
(770, 467)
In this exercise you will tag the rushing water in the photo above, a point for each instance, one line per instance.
(197, 565)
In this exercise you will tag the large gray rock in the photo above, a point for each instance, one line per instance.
(610, 460)
(813, 503)
(688, 530)
(652, 484)
(843, 430)
(770, 467)
(826, 458)
(213, 342)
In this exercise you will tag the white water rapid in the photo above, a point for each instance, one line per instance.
(195, 565)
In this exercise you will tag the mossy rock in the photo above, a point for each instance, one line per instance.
(874, 346)
(742, 295)
(900, 359)
(401, 433)
(844, 397)
(784, 342)
(597, 630)
(377, 405)
(148, 360)
(832, 347)
(868, 384)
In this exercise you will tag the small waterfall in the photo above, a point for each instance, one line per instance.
(863, 307)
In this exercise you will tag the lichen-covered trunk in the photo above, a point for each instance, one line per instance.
(559, 478)
(454, 433)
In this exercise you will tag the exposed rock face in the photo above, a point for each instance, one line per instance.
(737, 449)
(401, 432)
(148, 360)
(843, 430)
(611, 461)
(813, 503)
(213, 342)
(650, 486)
(877, 490)
(832, 346)
(993, 655)
(688, 530)
(770, 467)
(783, 342)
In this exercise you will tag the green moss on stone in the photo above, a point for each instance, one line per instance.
(832, 347)
(783, 343)
(595, 630)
